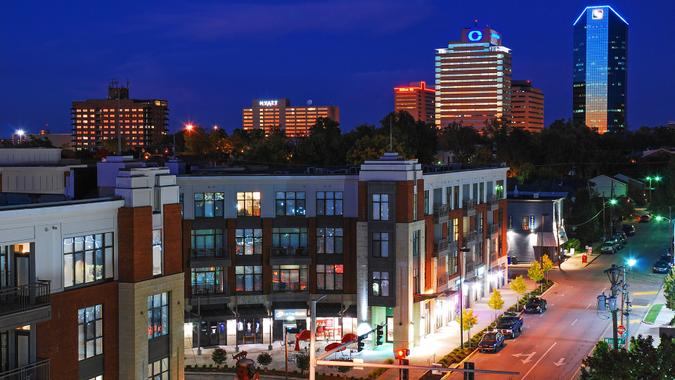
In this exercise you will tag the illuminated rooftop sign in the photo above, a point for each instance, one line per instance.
(268, 103)
(475, 35)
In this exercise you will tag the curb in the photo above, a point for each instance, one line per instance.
(591, 262)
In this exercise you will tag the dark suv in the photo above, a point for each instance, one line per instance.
(491, 341)
(510, 325)
(535, 305)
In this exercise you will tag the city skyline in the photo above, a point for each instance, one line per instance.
(197, 54)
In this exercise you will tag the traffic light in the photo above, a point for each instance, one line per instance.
(379, 335)
(360, 342)
(402, 353)
(404, 371)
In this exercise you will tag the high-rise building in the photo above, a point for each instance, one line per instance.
(278, 114)
(138, 123)
(599, 72)
(416, 99)
(527, 106)
(387, 244)
(473, 80)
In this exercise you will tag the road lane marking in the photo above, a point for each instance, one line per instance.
(589, 305)
(559, 362)
(528, 356)
(574, 322)
(574, 375)
(537, 362)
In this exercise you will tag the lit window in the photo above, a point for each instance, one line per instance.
(157, 256)
(87, 259)
(380, 284)
(90, 331)
(290, 203)
(248, 203)
(158, 315)
(158, 370)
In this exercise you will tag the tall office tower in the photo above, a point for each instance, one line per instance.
(272, 114)
(599, 72)
(416, 99)
(527, 106)
(138, 123)
(473, 80)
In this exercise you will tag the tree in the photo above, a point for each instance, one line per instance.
(518, 286)
(264, 359)
(302, 362)
(219, 356)
(546, 265)
(323, 147)
(496, 302)
(535, 273)
(469, 319)
(669, 289)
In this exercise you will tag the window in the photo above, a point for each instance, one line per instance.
(452, 263)
(481, 192)
(207, 242)
(329, 203)
(90, 331)
(159, 370)
(248, 278)
(416, 243)
(289, 277)
(289, 241)
(455, 228)
(99, 377)
(248, 203)
(426, 202)
(207, 280)
(414, 206)
(510, 222)
(380, 206)
(249, 241)
(290, 203)
(474, 194)
(329, 240)
(157, 252)
(158, 315)
(381, 244)
(87, 259)
(380, 284)
(448, 197)
(329, 277)
(209, 205)
(479, 226)
(532, 223)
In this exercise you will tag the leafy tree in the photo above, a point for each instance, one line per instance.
(535, 273)
(546, 265)
(219, 356)
(371, 148)
(324, 146)
(496, 302)
(302, 362)
(669, 289)
(518, 285)
(264, 359)
(469, 320)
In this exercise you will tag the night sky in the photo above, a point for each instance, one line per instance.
(211, 58)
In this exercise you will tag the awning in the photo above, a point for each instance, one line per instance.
(210, 314)
(251, 311)
(328, 310)
(424, 297)
(545, 239)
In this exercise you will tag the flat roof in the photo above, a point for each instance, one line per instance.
(45, 200)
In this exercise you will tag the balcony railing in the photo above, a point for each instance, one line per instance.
(469, 204)
(40, 370)
(441, 210)
(207, 290)
(24, 297)
(289, 251)
(440, 246)
(471, 236)
(198, 253)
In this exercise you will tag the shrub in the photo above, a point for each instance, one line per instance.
(219, 356)
(264, 359)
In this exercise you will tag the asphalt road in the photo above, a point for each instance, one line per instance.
(553, 344)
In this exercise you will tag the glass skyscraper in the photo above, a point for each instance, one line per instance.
(599, 72)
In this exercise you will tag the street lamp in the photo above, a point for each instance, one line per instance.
(631, 262)
(613, 274)
(464, 250)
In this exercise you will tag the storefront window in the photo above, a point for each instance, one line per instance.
(329, 277)
(329, 240)
(249, 241)
(289, 277)
(248, 278)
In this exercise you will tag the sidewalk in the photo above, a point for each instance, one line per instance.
(434, 346)
(662, 319)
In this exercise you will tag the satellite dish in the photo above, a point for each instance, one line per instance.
(309, 102)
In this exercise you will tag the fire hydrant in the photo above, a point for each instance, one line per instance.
(584, 258)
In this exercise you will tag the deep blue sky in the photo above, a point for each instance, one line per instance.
(211, 58)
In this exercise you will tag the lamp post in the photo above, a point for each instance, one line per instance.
(464, 250)
(312, 338)
(613, 274)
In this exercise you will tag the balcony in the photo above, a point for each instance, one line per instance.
(208, 257)
(472, 236)
(440, 247)
(40, 370)
(289, 255)
(441, 212)
(493, 229)
(493, 201)
(208, 294)
(25, 304)
(469, 206)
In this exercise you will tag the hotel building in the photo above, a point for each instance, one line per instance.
(138, 123)
(527, 106)
(600, 76)
(473, 80)
(416, 99)
(278, 114)
(93, 289)
(387, 243)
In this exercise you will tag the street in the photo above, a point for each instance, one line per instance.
(553, 344)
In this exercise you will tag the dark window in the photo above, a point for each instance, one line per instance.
(416, 243)
(207, 242)
(207, 280)
(380, 284)
(90, 331)
(329, 277)
(209, 205)
(249, 241)
(158, 315)
(290, 203)
(87, 259)
(329, 203)
(289, 241)
(452, 262)
(289, 277)
(380, 244)
(329, 240)
(380, 206)
(426, 202)
(248, 278)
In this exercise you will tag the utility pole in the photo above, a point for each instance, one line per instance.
(604, 223)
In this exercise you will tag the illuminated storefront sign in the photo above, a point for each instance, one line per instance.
(289, 314)
(475, 35)
(268, 103)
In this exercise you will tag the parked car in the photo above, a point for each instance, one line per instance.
(513, 260)
(608, 248)
(510, 325)
(492, 341)
(645, 218)
(621, 236)
(536, 305)
(667, 257)
(617, 241)
(629, 229)
(662, 267)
